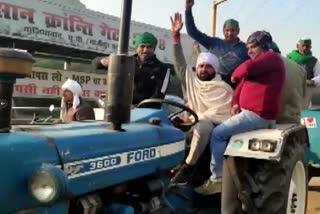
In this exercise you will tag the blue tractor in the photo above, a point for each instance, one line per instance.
(90, 166)
(84, 167)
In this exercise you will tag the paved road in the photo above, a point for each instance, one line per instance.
(314, 196)
(313, 199)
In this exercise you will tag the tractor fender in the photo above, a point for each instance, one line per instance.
(238, 145)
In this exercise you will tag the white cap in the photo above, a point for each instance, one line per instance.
(76, 90)
(210, 59)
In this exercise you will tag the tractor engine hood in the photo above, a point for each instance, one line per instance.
(93, 156)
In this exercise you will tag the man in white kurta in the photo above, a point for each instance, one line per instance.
(206, 94)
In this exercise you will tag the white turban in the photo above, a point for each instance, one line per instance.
(76, 90)
(209, 59)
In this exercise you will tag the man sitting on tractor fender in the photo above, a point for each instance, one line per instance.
(256, 102)
(292, 102)
(206, 93)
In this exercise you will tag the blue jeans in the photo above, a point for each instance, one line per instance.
(239, 123)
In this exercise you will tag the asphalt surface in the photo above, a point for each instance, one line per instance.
(314, 196)
(313, 200)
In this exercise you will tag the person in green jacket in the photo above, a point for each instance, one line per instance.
(303, 56)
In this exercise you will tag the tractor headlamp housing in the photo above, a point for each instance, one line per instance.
(47, 184)
(264, 145)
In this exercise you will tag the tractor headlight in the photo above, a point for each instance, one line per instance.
(47, 185)
(43, 187)
(262, 145)
(254, 145)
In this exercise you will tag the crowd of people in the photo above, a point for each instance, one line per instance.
(234, 87)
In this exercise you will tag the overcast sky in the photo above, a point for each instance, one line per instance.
(286, 20)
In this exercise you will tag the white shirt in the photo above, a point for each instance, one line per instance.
(316, 73)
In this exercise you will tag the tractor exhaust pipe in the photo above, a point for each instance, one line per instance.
(6, 91)
(120, 75)
(13, 64)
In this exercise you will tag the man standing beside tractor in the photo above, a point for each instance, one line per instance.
(303, 56)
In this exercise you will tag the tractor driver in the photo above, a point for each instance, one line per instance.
(151, 77)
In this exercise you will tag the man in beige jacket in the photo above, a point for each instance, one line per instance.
(206, 93)
(293, 96)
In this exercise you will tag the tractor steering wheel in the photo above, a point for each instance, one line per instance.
(184, 126)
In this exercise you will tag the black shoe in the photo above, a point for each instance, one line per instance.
(183, 176)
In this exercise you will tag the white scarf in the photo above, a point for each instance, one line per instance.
(76, 90)
(209, 99)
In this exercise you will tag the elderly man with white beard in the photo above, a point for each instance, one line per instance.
(73, 107)
(206, 93)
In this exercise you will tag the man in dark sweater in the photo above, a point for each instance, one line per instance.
(151, 77)
(230, 51)
(256, 102)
